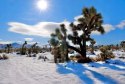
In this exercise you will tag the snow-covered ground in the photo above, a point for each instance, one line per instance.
(29, 70)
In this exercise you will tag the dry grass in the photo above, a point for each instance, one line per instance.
(80, 59)
(75, 58)
(102, 57)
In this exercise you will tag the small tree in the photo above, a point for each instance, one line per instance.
(8, 47)
(34, 48)
(61, 35)
(106, 53)
(23, 49)
(55, 48)
(49, 46)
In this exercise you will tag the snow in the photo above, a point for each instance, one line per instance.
(29, 70)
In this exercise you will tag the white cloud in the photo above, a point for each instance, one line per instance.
(121, 25)
(5, 42)
(9, 42)
(77, 17)
(107, 28)
(43, 29)
(28, 39)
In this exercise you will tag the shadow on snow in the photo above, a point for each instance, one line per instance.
(117, 66)
(80, 71)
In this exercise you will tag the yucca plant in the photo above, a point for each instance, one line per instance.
(61, 37)
(23, 49)
(34, 48)
(55, 49)
(8, 47)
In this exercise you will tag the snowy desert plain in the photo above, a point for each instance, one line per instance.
(19, 69)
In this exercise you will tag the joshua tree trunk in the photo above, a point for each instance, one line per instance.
(67, 58)
(8, 50)
(83, 50)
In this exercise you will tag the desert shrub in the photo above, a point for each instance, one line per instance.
(105, 54)
(71, 57)
(3, 57)
(97, 58)
(80, 59)
(122, 57)
(74, 58)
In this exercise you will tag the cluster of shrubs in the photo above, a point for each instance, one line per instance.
(122, 57)
(104, 55)
(3, 57)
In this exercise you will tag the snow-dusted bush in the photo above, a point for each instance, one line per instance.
(105, 53)
(74, 58)
(3, 57)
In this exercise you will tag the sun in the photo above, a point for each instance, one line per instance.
(42, 4)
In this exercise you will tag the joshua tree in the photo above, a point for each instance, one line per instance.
(33, 48)
(8, 47)
(23, 49)
(49, 45)
(91, 21)
(55, 48)
(62, 36)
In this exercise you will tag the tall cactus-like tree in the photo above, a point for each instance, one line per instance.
(8, 47)
(23, 49)
(91, 21)
(49, 46)
(62, 37)
(33, 48)
(55, 49)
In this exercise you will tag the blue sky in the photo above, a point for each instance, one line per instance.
(21, 19)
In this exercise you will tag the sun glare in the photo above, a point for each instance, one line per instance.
(42, 4)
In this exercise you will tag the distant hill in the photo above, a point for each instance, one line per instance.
(14, 45)
(2, 46)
